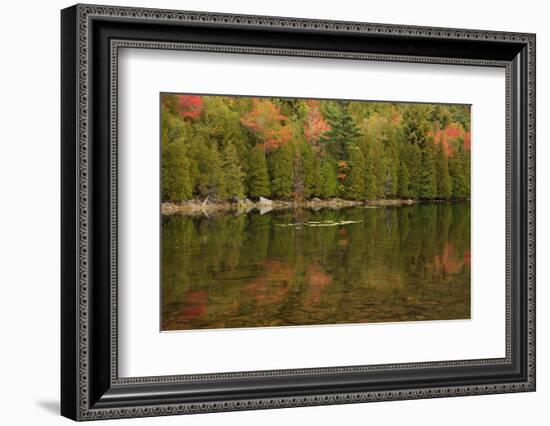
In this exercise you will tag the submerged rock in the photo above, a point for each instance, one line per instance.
(265, 209)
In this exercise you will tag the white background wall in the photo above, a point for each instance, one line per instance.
(29, 211)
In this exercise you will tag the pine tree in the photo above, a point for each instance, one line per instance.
(281, 172)
(258, 178)
(444, 184)
(355, 181)
(232, 174)
(343, 130)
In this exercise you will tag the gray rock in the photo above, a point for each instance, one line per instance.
(316, 200)
(265, 201)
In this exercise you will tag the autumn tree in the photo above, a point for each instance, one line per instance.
(266, 122)
(315, 125)
(226, 147)
(189, 106)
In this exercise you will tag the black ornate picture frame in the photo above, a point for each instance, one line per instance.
(90, 39)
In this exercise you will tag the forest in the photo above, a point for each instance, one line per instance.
(226, 148)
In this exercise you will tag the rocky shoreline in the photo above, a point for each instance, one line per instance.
(264, 205)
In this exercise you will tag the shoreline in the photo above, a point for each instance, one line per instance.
(197, 207)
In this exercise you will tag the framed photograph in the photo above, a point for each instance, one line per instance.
(263, 212)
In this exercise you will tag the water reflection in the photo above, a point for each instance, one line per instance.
(301, 267)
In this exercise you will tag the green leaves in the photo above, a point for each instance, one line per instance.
(228, 147)
(258, 178)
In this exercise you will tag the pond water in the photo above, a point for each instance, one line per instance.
(305, 267)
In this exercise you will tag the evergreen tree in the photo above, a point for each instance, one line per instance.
(177, 183)
(226, 147)
(371, 180)
(427, 187)
(355, 181)
(403, 190)
(210, 181)
(412, 158)
(459, 170)
(317, 185)
(391, 178)
(232, 174)
(309, 170)
(343, 130)
(416, 125)
(176, 180)
(258, 178)
(281, 172)
(298, 184)
(328, 187)
(444, 184)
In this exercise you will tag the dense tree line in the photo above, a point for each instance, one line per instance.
(228, 147)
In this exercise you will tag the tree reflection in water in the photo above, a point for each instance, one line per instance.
(301, 267)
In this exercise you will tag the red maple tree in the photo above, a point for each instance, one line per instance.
(190, 106)
(449, 137)
(314, 125)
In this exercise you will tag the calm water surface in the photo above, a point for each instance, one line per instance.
(304, 267)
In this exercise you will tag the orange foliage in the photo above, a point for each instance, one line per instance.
(395, 117)
(268, 123)
(314, 125)
(450, 135)
(316, 280)
(449, 262)
(342, 167)
(273, 286)
(467, 257)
